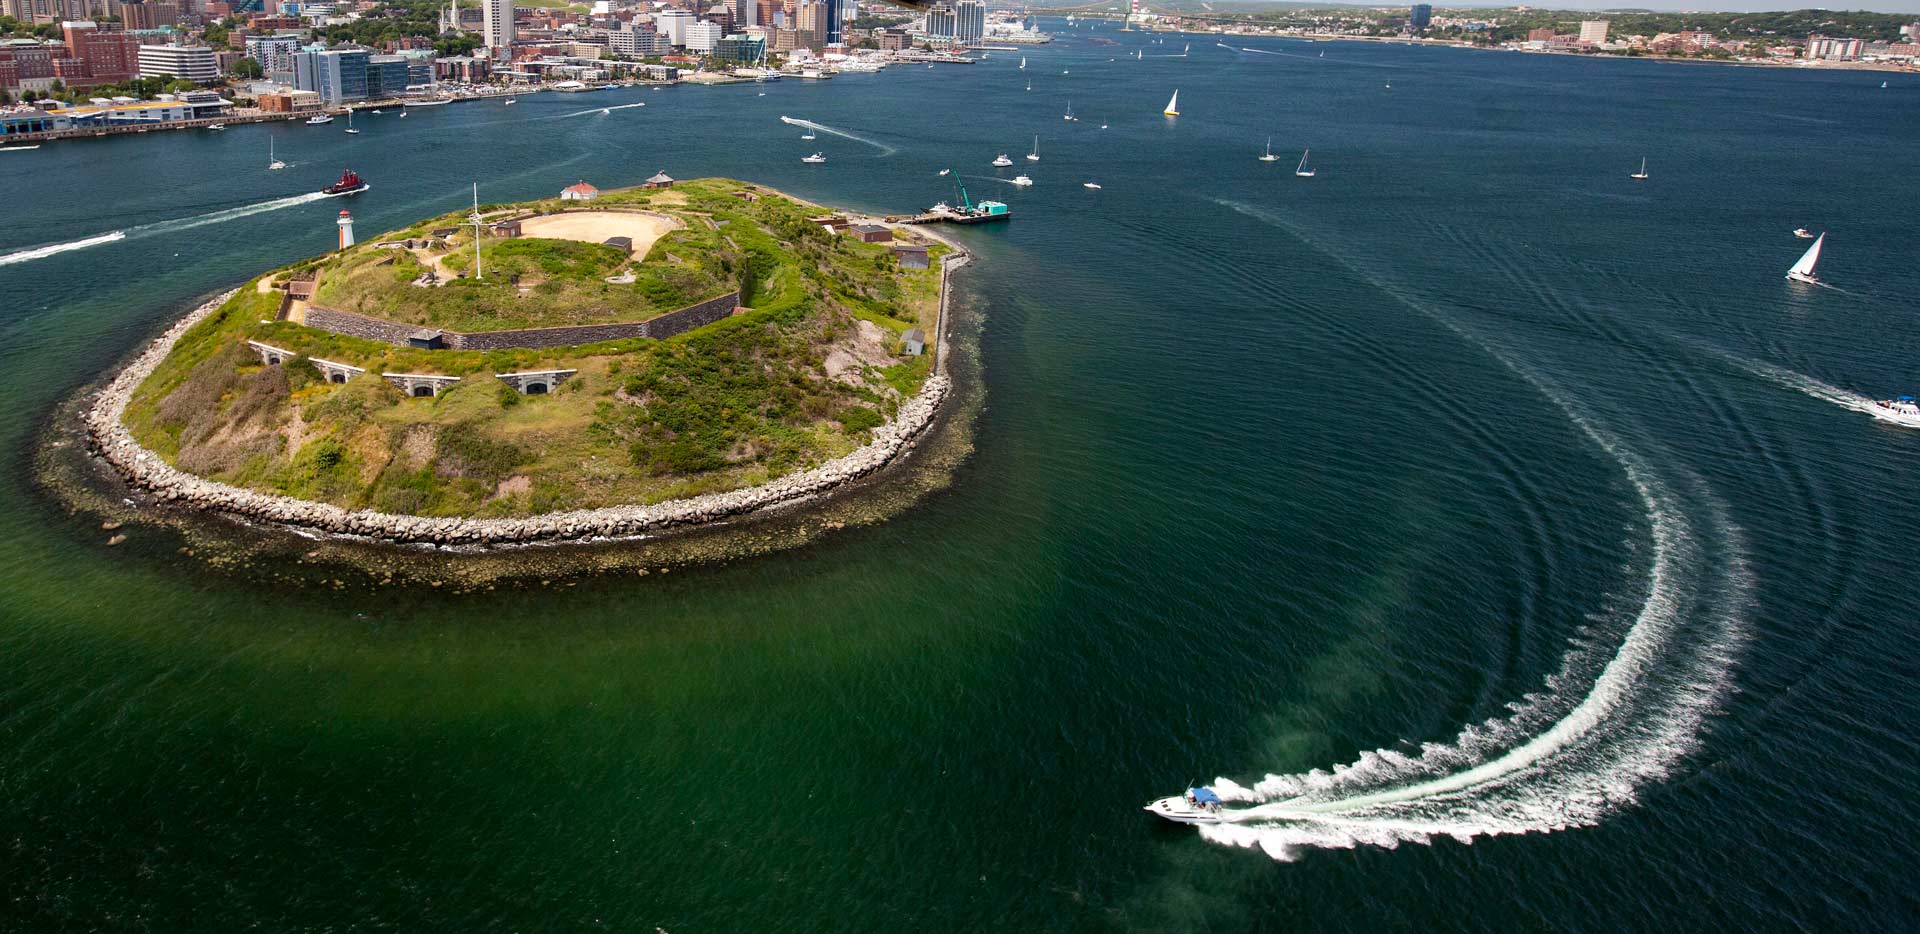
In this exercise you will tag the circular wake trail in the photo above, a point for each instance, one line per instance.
(885, 149)
(1614, 718)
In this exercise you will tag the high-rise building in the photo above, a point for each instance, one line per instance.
(274, 53)
(702, 36)
(744, 12)
(834, 34)
(496, 31)
(970, 20)
(153, 14)
(190, 62)
(1593, 30)
(673, 25)
(811, 19)
(1421, 16)
(941, 22)
(1819, 46)
(337, 75)
(106, 53)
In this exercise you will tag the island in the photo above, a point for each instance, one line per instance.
(601, 364)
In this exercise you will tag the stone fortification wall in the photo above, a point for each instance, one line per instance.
(679, 321)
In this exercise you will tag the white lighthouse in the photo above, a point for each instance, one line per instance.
(346, 230)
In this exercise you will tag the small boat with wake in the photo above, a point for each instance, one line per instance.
(350, 183)
(1803, 233)
(1197, 806)
(1900, 411)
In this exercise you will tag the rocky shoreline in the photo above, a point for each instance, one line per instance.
(109, 437)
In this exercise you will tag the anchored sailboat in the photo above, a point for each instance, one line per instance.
(1642, 174)
(1301, 169)
(1802, 271)
(1034, 156)
(1173, 105)
(1268, 156)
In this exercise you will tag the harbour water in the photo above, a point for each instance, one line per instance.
(1501, 529)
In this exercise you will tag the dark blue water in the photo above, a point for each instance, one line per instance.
(1502, 530)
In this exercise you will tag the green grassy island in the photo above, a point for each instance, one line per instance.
(815, 356)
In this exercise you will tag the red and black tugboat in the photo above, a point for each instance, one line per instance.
(349, 184)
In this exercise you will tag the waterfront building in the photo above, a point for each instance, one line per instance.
(387, 76)
(659, 180)
(497, 23)
(190, 62)
(702, 37)
(741, 49)
(337, 75)
(579, 191)
(17, 120)
(1827, 47)
(969, 20)
(274, 53)
(940, 22)
(1421, 16)
(1593, 31)
(894, 39)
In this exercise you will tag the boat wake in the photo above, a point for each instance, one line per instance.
(42, 252)
(1799, 382)
(158, 227)
(1624, 709)
(885, 150)
(594, 110)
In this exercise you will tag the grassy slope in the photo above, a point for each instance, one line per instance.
(558, 281)
(731, 404)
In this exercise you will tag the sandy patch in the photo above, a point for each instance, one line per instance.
(598, 226)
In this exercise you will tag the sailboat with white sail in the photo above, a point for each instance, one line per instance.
(1034, 156)
(1023, 63)
(1802, 271)
(1301, 169)
(1268, 156)
(1173, 104)
(1642, 174)
(273, 165)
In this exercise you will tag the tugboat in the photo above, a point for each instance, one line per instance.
(1197, 806)
(349, 184)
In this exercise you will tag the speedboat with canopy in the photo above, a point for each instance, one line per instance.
(1197, 806)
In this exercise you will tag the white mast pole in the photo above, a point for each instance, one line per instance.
(478, 272)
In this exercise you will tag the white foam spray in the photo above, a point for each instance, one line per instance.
(1799, 382)
(885, 149)
(42, 252)
(1605, 725)
(595, 110)
(158, 227)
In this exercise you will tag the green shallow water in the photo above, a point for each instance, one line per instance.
(1267, 475)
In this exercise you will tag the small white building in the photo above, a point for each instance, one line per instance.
(580, 191)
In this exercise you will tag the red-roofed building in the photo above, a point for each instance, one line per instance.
(579, 192)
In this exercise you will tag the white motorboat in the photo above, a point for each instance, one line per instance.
(1022, 181)
(512, 101)
(1301, 169)
(816, 158)
(1196, 806)
(1103, 126)
(216, 126)
(943, 172)
(1002, 161)
(806, 136)
(1802, 271)
(19, 148)
(1268, 156)
(1803, 233)
(1900, 411)
(318, 119)
(376, 111)
(1642, 174)
(1093, 185)
(1034, 156)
